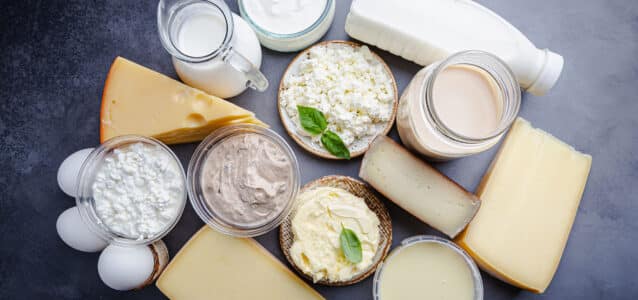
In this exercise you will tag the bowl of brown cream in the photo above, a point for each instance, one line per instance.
(242, 180)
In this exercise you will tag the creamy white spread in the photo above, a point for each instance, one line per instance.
(138, 190)
(284, 16)
(349, 85)
(317, 223)
(247, 179)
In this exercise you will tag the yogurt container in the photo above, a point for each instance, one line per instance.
(288, 25)
(243, 179)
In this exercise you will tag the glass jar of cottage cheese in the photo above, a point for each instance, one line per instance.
(131, 190)
(459, 106)
(288, 25)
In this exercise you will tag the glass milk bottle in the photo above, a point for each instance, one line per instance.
(213, 49)
(459, 106)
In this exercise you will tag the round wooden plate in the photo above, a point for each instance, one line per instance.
(359, 189)
(305, 141)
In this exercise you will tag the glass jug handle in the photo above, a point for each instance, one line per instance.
(256, 79)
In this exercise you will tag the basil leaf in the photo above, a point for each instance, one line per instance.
(312, 120)
(350, 245)
(333, 143)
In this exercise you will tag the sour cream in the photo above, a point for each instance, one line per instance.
(288, 25)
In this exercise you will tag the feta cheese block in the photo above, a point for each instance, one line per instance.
(216, 266)
(138, 100)
(417, 187)
(530, 196)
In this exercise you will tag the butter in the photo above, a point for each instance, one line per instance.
(321, 214)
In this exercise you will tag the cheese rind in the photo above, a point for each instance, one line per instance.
(417, 187)
(138, 100)
(215, 266)
(530, 196)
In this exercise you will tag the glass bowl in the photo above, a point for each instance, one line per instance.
(86, 203)
(476, 274)
(212, 216)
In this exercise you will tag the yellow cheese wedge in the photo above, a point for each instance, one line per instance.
(216, 266)
(530, 196)
(138, 100)
(417, 187)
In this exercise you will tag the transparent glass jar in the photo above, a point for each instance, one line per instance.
(86, 203)
(422, 129)
(289, 42)
(215, 217)
(411, 241)
(213, 49)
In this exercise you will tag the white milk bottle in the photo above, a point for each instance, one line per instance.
(213, 49)
(425, 31)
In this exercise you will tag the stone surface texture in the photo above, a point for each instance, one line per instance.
(54, 56)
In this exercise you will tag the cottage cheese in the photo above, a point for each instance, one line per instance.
(349, 85)
(138, 190)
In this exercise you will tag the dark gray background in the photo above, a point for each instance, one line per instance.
(55, 56)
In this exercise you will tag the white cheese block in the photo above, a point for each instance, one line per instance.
(417, 187)
(216, 266)
(530, 198)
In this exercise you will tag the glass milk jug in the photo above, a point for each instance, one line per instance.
(213, 49)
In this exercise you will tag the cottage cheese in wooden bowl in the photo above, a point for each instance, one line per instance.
(353, 88)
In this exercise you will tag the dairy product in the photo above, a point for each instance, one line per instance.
(425, 31)
(459, 106)
(320, 216)
(530, 198)
(417, 187)
(213, 49)
(138, 100)
(284, 16)
(246, 180)
(288, 25)
(349, 85)
(427, 269)
(138, 191)
(473, 110)
(215, 265)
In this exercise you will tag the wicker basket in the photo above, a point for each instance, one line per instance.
(359, 189)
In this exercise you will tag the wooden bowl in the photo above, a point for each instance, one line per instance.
(359, 189)
(305, 141)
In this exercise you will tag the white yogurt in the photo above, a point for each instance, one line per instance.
(201, 31)
(284, 16)
(288, 25)
(138, 191)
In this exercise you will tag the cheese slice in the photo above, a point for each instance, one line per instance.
(216, 266)
(417, 187)
(530, 198)
(138, 100)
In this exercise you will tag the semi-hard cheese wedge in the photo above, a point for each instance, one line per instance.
(530, 196)
(138, 100)
(417, 187)
(216, 266)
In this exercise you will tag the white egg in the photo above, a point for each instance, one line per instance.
(69, 169)
(125, 268)
(74, 232)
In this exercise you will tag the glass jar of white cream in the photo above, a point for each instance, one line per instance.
(460, 106)
(288, 25)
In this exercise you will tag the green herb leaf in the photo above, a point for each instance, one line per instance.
(333, 143)
(350, 245)
(312, 120)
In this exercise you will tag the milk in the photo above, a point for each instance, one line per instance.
(425, 31)
(467, 100)
(203, 33)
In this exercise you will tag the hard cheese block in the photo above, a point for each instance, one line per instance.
(417, 187)
(138, 100)
(216, 266)
(530, 197)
